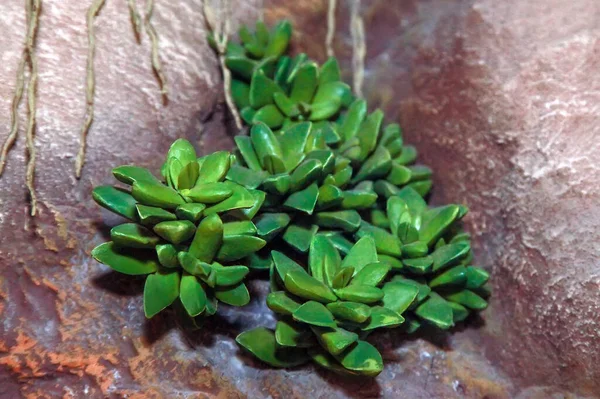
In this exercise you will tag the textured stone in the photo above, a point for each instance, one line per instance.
(501, 98)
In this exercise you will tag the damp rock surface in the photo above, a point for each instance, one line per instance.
(502, 101)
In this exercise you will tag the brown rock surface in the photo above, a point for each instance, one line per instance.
(500, 97)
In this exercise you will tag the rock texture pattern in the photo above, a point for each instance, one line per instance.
(502, 100)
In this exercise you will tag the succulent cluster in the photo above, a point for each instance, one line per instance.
(184, 232)
(333, 196)
(327, 310)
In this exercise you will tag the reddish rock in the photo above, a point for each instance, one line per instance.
(502, 100)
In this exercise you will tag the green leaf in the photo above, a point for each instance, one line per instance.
(355, 115)
(420, 172)
(299, 236)
(361, 254)
(264, 142)
(368, 134)
(324, 110)
(239, 227)
(175, 231)
(124, 261)
(281, 302)
(240, 91)
(285, 265)
(323, 259)
(237, 295)
(433, 229)
(258, 198)
(376, 165)
(348, 220)
(182, 150)
(160, 290)
(116, 200)
(301, 284)
(245, 146)
(270, 225)
(306, 173)
(289, 333)
(188, 175)
(269, 115)
(133, 235)
(399, 296)
(260, 260)
(417, 249)
(476, 277)
(238, 246)
(416, 204)
(342, 277)
(459, 312)
(279, 39)
(285, 105)
(355, 199)
(277, 184)
(351, 311)
(305, 83)
(469, 299)
(229, 275)
(449, 254)
(208, 239)
(304, 200)
(372, 274)
(363, 359)
(293, 142)
(167, 255)
(153, 215)
(419, 283)
(418, 266)
(395, 263)
(385, 243)
(209, 193)
(262, 344)
(359, 293)
(339, 241)
(245, 177)
(262, 90)
(156, 194)
(334, 340)
(193, 265)
(329, 196)
(241, 66)
(129, 174)
(456, 276)
(383, 317)
(436, 311)
(214, 168)
(192, 295)
(240, 199)
(314, 313)
(191, 212)
(330, 71)
(407, 156)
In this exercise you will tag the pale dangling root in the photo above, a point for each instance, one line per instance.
(220, 30)
(90, 85)
(136, 20)
(359, 47)
(14, 118)
(156, 64)
(330, 28)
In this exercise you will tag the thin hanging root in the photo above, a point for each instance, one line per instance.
(156, 65)
(220, 32)
(14, 118)
(90, 85)
(359, 48)
(136, 20)
(330, 28)
(33, 8)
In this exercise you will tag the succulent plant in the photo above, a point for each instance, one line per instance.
(325, 312)
(305, 184)
(184, 233)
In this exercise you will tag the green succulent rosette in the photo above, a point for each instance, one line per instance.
(431, 258)
(185, 233)
(305, 182)
(326, 311)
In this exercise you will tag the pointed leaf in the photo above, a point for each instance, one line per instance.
(301, 284)
(383, 317)
(348, 220)
(314, 313)
(133, 235)
(123, 261)
(372, 274)
(363, 359)
(351, 311)
(116, 200)
(323, 259)
(476, 277)
(129, 174)
(160, 290)
(262, 344)
(399, 296)
(289, 333)
(238, 246)
(304, 200)
(192, 295)
(361, 254)
(334, 340)
(236, 295)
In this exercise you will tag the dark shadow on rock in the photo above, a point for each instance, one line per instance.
(473, 322)
(158, 326)
(352, 386)
(119, 284)
(102, 228)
